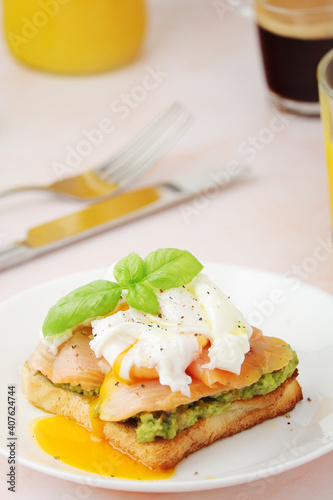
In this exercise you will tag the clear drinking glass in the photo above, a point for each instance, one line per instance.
(294, 35)
(325, 84)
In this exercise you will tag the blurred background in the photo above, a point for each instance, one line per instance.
(204, 54)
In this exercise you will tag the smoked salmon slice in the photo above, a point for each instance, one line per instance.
(74, 364)
(118, 400)
(266, 355)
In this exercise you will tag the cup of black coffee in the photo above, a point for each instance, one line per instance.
(294, 35)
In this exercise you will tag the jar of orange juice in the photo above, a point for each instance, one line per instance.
(74, 36)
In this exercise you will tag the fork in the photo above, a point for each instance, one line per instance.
(126, 165)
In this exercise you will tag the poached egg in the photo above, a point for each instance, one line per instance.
(169, 342)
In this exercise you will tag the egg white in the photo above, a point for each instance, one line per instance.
(168, 342)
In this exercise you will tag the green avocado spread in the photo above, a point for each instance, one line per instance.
(168, 424)
(79, 390)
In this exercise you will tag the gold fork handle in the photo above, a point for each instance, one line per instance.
(87, 185)
(20, 189)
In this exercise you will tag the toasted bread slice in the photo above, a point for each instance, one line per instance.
(163, 453)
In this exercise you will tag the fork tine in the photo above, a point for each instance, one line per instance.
(142, 136)
(143, 140)
(159, 143)
(149, 156)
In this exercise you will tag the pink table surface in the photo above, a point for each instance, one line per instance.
(207, 57)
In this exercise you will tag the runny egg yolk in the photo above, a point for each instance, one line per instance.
(71, 443)
(116, 367)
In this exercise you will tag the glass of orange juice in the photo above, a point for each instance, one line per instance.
(325, 83)
(74, 36)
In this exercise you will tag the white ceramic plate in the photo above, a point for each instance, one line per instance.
(282, 307)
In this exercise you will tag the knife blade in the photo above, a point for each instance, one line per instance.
(115, 211)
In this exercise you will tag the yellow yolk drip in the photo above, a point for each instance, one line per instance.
(105, 387)
(117, 365)
(202, 340)
(67, 441)
(96, 423)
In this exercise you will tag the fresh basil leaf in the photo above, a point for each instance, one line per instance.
(95, 299)
(129, 270)
(170, 268)
(143, 297)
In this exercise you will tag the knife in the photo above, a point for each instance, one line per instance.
(115, 211)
